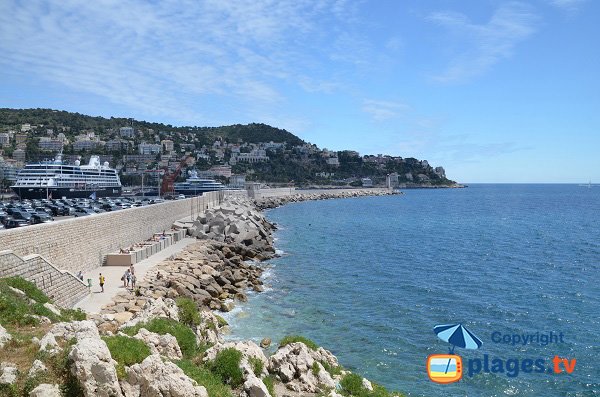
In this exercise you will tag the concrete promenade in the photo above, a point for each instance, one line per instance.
(94, 302)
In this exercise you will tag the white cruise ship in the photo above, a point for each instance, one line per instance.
(195, 186)
(54, 179)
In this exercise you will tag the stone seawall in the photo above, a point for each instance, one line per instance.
(81, 243)
(62, 287)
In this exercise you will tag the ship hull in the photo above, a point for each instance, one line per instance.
(57, 193)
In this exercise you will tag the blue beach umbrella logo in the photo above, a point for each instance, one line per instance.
(447, 368)
(458, 336)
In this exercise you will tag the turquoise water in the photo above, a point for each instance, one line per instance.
(369, 278)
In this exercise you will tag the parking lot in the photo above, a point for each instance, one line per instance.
(29, 212)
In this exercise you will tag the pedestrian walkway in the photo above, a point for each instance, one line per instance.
(94, 301)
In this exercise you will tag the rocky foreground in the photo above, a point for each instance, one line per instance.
(164, 338)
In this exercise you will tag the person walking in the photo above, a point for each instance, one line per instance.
(101, 279)
(133, 280)
(125, 279)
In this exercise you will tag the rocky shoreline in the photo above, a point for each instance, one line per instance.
(210, 275)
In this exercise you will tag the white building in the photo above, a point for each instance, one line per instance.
(50, 145)
(25, 127)
(149, 148)
(367, 182)
(85, 144)
(8, 170)
(19, 155)
(116, 145)
(168, 145)
(4, 139)
(255, 156)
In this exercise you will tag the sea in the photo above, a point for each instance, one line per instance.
(369, 278)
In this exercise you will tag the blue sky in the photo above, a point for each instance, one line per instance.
(495, 91)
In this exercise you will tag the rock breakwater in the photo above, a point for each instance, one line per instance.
(273, 202)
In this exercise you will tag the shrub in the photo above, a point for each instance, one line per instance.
(269, 383)
(28, 287)
(16, 309)
(213, 383)
(257, 365)
(184, 335)
(315, 368)
(8, 390)
(297, 338)
(221, 320)
(40, 310)
(352, 385)
(188, 311)
(126, 351)
(332, 370)
(227, 366)
(73, 315)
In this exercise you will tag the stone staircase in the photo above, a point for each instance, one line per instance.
(61, 286)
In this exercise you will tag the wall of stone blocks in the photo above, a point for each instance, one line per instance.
(81, 243)
(62, 287)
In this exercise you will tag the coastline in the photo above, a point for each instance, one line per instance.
(235, 266)
(183, 295)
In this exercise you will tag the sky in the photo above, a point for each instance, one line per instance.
(493, 91)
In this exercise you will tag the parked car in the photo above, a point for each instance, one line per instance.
(26, 216)
(12, 223)
(83, 212)
(41, 217)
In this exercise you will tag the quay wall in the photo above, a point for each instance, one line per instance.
(81, 243)
(61, 286)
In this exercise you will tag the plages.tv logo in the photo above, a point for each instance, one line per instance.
(448, 368)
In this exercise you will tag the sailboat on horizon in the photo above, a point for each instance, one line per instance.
(588, 185)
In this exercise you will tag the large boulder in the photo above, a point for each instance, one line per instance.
(4, 336)
(155, 378)
(293, 364)
(207, 332)
(49, 345)
(155, 308)
(94, 368)
(76, 329)
(254, 387)
(165, 345)
(8, 373)
(46, 390)
(37, 367)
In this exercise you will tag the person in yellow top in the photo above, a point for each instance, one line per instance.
(101, 279)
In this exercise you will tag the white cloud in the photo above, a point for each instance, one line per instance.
(568, 5)
(484, 45)
(176, 59)
(384, 110)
